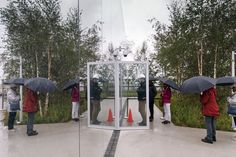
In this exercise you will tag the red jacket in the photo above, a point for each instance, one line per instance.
(209, 104)
(75, 94)
(166, 95)
(30, 101)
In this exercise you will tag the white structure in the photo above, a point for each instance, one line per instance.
(118, 104)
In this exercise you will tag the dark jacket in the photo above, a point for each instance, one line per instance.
(152, 93)
(209, 104)
(95, 91)
(141, 91)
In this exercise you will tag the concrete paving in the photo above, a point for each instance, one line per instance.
(75, 139)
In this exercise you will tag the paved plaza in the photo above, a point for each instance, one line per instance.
(74, 139)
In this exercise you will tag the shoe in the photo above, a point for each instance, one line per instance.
(207, 140)
(96, 122)
(76, 119)
(12, 130)
(214, 139)
(234, 129)
(33, 133)
(142, 124)
(162, 118)
(165, 122)
(151, 120)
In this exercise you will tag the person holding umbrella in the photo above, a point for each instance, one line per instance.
(166, 100)
(210, 110)
(31, 107)
(232, 100)
(75, 96)
(12, 98)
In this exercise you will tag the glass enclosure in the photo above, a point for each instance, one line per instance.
(118, 95)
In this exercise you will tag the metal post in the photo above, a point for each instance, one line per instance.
(21, 94)
(233, 74)
(233, 63)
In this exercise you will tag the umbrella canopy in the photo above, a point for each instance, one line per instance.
(197, 84)
(40, 84)
(16, 81)
(70, 84)
(152, 78)
(170, 83)
(226, 81)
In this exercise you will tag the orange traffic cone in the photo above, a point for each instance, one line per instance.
(110, 117)
(130, 117)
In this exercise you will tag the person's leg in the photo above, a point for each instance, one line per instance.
(91, 109)
(235, 120)
(11, 120)
(151, 110)
(213, 124)
(75, 110)
(142, 111)
(167, 113)
(96, 109)
(208, 123)
(30, 124)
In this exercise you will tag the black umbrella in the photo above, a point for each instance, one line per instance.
(152, 78)
(226, 81)
(8, 81)
(40, 84)
(70, 84)
(197, 84)
(16, 81)
(170, 83)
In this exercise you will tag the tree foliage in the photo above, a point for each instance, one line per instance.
(199, 40)
(36, 31)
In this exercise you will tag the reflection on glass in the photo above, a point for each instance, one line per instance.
(102, 92)
(132, 95)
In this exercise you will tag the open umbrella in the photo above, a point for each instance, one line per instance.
(170, 83)
(70, 84)
(40, 84)
(16, 81)
(226, 81)
(197, 84)
(152, 78)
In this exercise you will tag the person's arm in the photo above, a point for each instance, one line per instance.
(204, 98)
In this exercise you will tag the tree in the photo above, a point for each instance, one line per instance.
(47, 44)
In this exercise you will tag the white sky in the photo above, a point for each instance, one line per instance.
(123, 19)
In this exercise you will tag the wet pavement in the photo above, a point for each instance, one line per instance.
(75, 139)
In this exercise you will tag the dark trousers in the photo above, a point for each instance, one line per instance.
(151, 105)
(211, 127)
(11, 120)
(235, 120)
(30, 123)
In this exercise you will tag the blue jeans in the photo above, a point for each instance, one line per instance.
(30, 124)
(211, 127)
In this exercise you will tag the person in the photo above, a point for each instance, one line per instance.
(31, 107)
(12, 98)
(166, 100)
(141, 91)
(95, 97)
(152, 94)
(232, 100)
(75, 97)
(210, 110)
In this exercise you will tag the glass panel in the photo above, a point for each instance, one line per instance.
(132, 94)
(102, 94)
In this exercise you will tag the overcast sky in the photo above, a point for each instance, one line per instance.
(123, 19)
